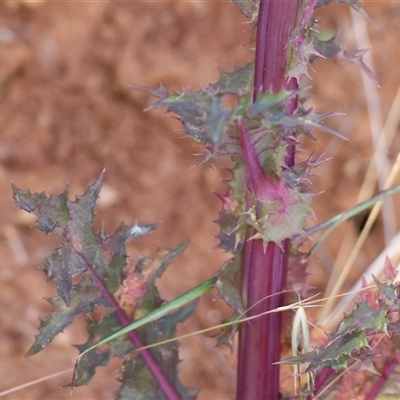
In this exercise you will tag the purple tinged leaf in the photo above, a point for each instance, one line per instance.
(356, 57)
(62, 265)
(53, 213)
(228, 222)
(83, 298)
(237, 82)
(63, 258)
(63, 283)
(138, 292)
(100, 260)
(82, 215)
(86, 368)
(326, 48)
(26, 200)
(137, 382)
(331, 49)
(279, 219)
(388, 293)
(298, 174)
(201, 111)
(274, 210)
(307, 12)
(229, 283)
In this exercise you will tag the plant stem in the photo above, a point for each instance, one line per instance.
(321, 380)
(265, 270)
(383, 378)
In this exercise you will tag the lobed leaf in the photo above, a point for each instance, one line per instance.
(229, 283)
(240, 81)
(364, 318)
(89, 269)
(83, 299)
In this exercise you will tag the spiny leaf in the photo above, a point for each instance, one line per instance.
(226, 337)
(62, 265)
(26, 200)
(331, 49)
(271, 150)
(364, 318)
(229, 283)
(53, 213)
(336, 354)
(388, 293)
(268, 101)
(137, 382)
(202, 110)
(138, 291)
(237, 82)
(86, 369)
(279, 219)
(161, 92)
(100, 261)
(83, 298)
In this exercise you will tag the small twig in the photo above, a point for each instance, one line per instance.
(35, 382)
(343, 216)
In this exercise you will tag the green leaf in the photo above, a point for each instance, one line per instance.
(336, 354)
(268, 101)
(279, 219)
(364, 318)
(389, 293)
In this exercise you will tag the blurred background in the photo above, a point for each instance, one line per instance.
(67, 112)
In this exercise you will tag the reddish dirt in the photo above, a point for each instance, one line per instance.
(67, 113)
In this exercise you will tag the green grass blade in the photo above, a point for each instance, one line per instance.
(335, 221)
(178, 302)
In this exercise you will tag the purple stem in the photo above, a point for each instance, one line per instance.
(264, 272)
(320, 379)
(152, 364)
(383, 378)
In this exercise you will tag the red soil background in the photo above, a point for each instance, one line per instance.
(67, 112)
